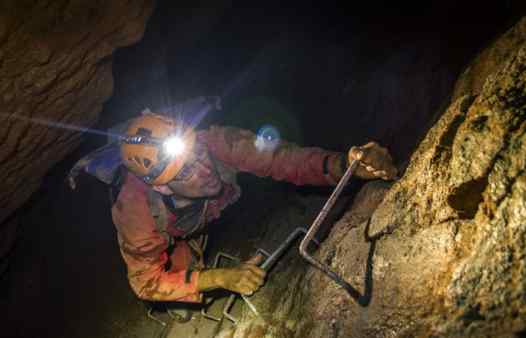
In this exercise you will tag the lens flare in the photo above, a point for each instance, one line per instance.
(174, 146)
(268, 138)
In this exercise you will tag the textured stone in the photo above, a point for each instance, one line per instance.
(450, 257)
(441, 252)
(55, 66)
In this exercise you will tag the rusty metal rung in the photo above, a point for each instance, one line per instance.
(228, 306)
(317, 223)
(266, 265)
(152, 317)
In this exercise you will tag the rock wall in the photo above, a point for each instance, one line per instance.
(55, 67)
(441, 252)
(450, 236)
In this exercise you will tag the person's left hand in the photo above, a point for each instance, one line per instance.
(375, 161)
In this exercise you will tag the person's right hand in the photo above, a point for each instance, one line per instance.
(244, 279)
(375, 161)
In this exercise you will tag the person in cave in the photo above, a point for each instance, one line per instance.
(168, 181)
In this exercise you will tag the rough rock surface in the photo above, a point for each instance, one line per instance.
(442, 252)
(55, 66)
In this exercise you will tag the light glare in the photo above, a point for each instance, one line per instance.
(174, 146)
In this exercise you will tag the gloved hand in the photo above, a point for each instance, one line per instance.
(245, 278)
(375, 161)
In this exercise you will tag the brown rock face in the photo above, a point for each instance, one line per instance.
(450, 255)
(55, 66)
(442, 252)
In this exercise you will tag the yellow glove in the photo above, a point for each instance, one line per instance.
(245, 278)
(375, 161)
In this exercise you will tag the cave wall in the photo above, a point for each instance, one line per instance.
(352, 81)
(55, 66)
(460, 207)
(441, 252)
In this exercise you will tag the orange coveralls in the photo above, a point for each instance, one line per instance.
(144, 248)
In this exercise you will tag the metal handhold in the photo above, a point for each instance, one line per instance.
(204, 311)
(269, 262)
(316, 225)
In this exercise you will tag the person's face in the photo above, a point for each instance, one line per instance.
(197, 178)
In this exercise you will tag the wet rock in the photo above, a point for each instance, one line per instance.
(55, 67)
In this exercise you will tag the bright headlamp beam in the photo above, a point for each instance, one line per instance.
(174, 146)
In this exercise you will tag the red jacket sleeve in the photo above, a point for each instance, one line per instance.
(289, 162)
(144, 249)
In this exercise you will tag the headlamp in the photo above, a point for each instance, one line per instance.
(174, 146)
(171, 146)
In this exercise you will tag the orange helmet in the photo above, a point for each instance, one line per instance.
(156, 147)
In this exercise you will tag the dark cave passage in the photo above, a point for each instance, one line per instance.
(323, 75)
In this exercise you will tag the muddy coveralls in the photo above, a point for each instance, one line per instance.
(156, 274)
